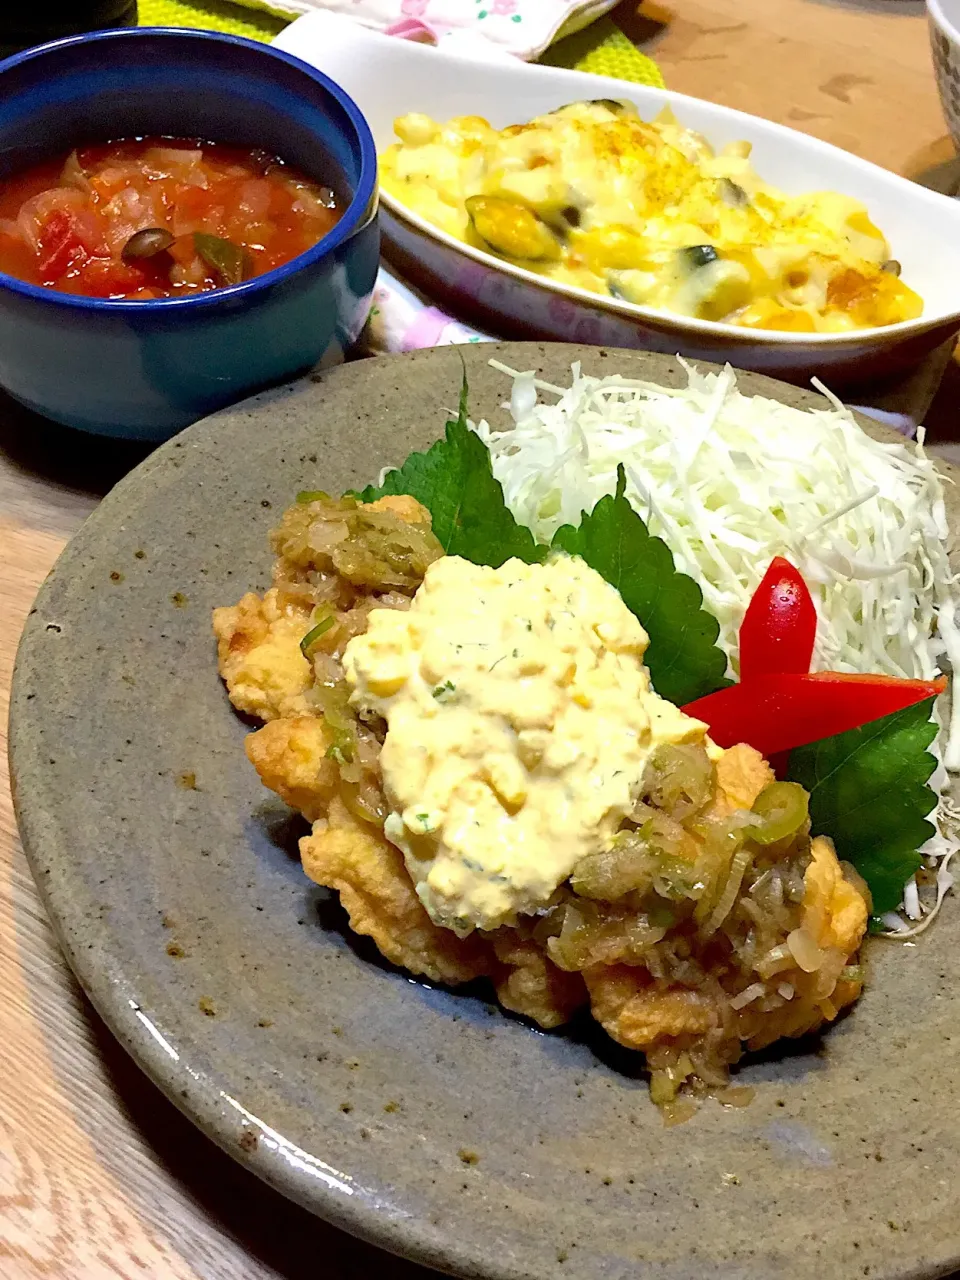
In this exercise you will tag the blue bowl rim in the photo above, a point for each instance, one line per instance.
(353, 219)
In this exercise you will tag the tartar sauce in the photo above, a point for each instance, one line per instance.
(520, 718)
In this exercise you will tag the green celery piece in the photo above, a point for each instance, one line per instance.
(683, 657)
(230, 261)
(868, 793)
(454, 481)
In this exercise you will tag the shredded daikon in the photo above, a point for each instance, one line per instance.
(729, 481)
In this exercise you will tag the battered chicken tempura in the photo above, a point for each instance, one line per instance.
(699, 930)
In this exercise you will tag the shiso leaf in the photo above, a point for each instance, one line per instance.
(454, 481)
(684, 660)
(869, 794)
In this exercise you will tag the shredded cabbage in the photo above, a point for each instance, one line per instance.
(729, 481)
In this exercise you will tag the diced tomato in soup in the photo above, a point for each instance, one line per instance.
(157, 218)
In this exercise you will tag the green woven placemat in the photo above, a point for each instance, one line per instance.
(212, 15)
(601, 48)
(604, 50)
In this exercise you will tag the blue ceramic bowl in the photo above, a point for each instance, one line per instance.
(145, 369)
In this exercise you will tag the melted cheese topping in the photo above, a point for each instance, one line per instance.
(593, 196)
(520, 718)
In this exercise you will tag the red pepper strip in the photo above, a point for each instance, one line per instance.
(780, 624)
(777, 632)
(780, 712)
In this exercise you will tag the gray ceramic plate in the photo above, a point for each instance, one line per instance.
(423, 1120)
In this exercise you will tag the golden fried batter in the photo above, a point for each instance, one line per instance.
(290, 756)
(378, 895)
(798, 1017)
(834, 922)
(401, 504)
(634, 1012)
(742, 773)
(533, 985)
(834, 909)
(258, 645)
(800, 997)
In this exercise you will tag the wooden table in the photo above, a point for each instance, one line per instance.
(99, 1175)
(856, 73)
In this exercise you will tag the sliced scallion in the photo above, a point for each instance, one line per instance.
(314, 634)
(341, 751)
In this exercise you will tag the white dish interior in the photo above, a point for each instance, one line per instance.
(947, 14)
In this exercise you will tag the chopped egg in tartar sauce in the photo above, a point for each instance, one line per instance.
(520, 718)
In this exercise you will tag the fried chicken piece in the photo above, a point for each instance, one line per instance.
(742, 773)
(636, 1013)
(367, 547)
(258, 647)
(401, 504)
(378, 895)
(290, 756)
(835, 912)
(533, 985)
(796, 1017)
(834, 908)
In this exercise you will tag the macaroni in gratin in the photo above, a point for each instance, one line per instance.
(592, 195)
